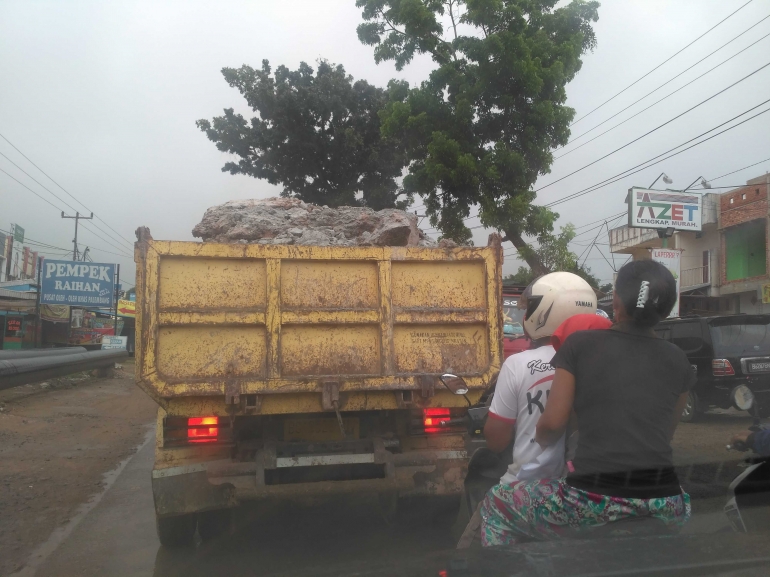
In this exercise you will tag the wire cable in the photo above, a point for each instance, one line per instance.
(60, 210)
(64, 189)
(734, 171)
(651, 105)
(623, 173)
(656, 128)
(661, 64)
(52, 194)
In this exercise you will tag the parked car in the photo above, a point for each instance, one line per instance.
(728, 351)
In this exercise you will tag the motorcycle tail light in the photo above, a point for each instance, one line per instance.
(721, 368)
(432, 419)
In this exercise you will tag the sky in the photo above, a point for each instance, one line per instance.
(103, 97)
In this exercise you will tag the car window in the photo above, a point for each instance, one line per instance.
(687, 336)
(750, 337)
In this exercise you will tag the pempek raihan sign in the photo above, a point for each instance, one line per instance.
(82, 284)
(664, 209)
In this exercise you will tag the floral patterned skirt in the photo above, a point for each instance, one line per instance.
(550, 509)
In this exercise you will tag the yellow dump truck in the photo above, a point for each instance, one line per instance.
(303, 370)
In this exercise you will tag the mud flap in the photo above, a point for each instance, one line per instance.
(189, 493)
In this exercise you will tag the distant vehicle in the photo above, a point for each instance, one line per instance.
(514, 338)
(728, 351)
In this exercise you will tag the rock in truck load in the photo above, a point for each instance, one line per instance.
(291, 221)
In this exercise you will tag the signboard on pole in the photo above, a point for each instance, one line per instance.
(90, 284)
(671, 259)
(18, 234)
(664, 209)
(126, 308)
(109, 342)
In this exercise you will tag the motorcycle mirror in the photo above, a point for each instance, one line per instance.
(454, 383)
(742, 398)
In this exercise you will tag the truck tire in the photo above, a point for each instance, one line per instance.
(212, 524)
(692, 410)
(178, 531)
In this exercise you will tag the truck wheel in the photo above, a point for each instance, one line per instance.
(176, 531)
(212, 524)
(692, 409)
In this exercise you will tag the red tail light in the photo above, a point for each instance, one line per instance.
(202, 429)
(432, 419)
(721, 368)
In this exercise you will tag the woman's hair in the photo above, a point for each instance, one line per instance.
(647, 290)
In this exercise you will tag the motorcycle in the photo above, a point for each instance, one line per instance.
(485, 467)
(748, 505)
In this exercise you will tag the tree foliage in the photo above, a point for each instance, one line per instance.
(555, 255)
(481, 129)
(318, 135)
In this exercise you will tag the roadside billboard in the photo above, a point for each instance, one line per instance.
(111, 343)
(671, 259)
(664, 209)
(71, 283)
(126, 308)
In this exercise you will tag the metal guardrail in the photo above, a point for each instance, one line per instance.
(33, 353)
(20, 371)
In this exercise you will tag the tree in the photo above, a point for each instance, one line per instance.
(318, 135)
(606, 288)
(555, 255)
(481, 129)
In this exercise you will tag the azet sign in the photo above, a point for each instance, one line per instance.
(664, 209)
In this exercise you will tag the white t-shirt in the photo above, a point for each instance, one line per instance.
(520, 397)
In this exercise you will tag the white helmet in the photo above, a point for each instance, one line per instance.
(552, 299)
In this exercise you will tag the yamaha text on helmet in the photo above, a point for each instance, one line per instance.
(553, 298)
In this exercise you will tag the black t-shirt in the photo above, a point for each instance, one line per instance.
(627, 382)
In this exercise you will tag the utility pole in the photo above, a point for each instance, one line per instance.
(77, 217)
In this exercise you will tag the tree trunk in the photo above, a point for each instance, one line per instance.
(527, 253)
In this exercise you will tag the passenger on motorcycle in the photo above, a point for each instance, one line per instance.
(524, 382)
(628, 389)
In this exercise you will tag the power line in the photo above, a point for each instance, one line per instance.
(657, 101)
(60, 210)
(661, 64)
(50, 192)
(34, 242)
(29, 189)
(654, 129)
(64, 189)
(125, 254)
(610, 181)
(734, 171)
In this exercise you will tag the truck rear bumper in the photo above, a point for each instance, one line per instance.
(226, 483)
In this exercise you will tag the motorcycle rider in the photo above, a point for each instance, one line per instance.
(627, 388)
(524, 382)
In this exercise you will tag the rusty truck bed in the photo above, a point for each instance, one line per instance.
(265, 329)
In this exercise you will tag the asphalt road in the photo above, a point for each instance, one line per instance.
(115, 535)
(59, 441)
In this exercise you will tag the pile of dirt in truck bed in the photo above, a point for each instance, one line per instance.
(291, 221)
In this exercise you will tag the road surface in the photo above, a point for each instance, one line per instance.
(113, 533)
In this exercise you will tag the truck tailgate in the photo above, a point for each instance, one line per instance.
(252, 324)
